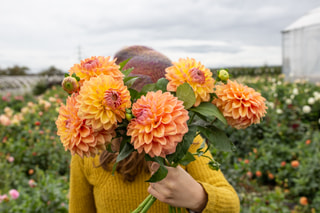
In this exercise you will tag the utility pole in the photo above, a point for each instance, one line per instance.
(79, 53)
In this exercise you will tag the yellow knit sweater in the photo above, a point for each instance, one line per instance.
(96, 190)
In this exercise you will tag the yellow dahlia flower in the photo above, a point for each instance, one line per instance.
(95, 66)
(159, 124)
(193, 72)
(102, 101)
(240, 105)
(76, 135)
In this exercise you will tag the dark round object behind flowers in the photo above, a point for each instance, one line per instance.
(148, 64)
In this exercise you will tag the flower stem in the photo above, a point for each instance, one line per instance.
(178, 210)
(142, 205)
(148, 204)
(191, 119)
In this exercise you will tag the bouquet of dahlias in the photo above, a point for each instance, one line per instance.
(161, 120)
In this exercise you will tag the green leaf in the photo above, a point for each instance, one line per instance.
(66, 75)
(209, 110)
(109, 148)
(123, 63)
(125, 151)
(134, 94)
(162, 84)
(216, 137)
(127, 72)
(148, 87)
(185, 93)
(160, 174)
(183, 147)
(187, 159)
(214, 165)
(114, 168)
(128, 81)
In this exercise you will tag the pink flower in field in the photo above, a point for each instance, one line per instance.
(4, 120)
(19, 98)
(5, 99)
(10, 159)
(32, 183)
(4, 198)
(14, 194)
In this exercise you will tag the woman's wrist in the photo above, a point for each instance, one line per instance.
(201, 200)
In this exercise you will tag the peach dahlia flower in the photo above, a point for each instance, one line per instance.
(193, 72)
(76, 135)
(240, 105)
(159, 125)
(102, 101)
(95, 66)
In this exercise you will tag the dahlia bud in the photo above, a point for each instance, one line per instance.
(223, 75)
(128, 114)
(70, 84)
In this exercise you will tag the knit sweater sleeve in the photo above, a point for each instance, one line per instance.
(81, 192)
(221, 195)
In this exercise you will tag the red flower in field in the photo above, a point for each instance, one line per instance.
(270, 176)
(246, 161)
(308, 142)
(159, 124)
(295, 164)
(76, 135)
(295, 126)
(37, 123)
(30, 171)
(240, 105)
(258, 174)
(303, 201)
(283, 163)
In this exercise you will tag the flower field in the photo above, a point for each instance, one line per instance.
(274, 166)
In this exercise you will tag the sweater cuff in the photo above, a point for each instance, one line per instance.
(220, 199)
(210, 195)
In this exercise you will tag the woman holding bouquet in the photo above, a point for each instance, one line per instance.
(195, 187)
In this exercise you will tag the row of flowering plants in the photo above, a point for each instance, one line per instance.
(160, 121)
(34, 171)
(274, 168)
(282, 152)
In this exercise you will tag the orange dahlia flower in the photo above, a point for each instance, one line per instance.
(159, 124)
(193, 72)
(95, 66)
(102, 101)
(240, 105)
(76, 135)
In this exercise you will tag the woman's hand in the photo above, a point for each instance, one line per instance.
(179, 189)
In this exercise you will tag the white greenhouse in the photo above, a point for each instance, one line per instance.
(301, 48)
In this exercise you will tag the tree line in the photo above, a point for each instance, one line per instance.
(23, 70)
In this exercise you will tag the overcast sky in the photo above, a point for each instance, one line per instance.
(219, 33)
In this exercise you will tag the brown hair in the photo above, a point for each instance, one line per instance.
(129, 168)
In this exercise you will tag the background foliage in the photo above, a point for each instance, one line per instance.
(273, 168)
